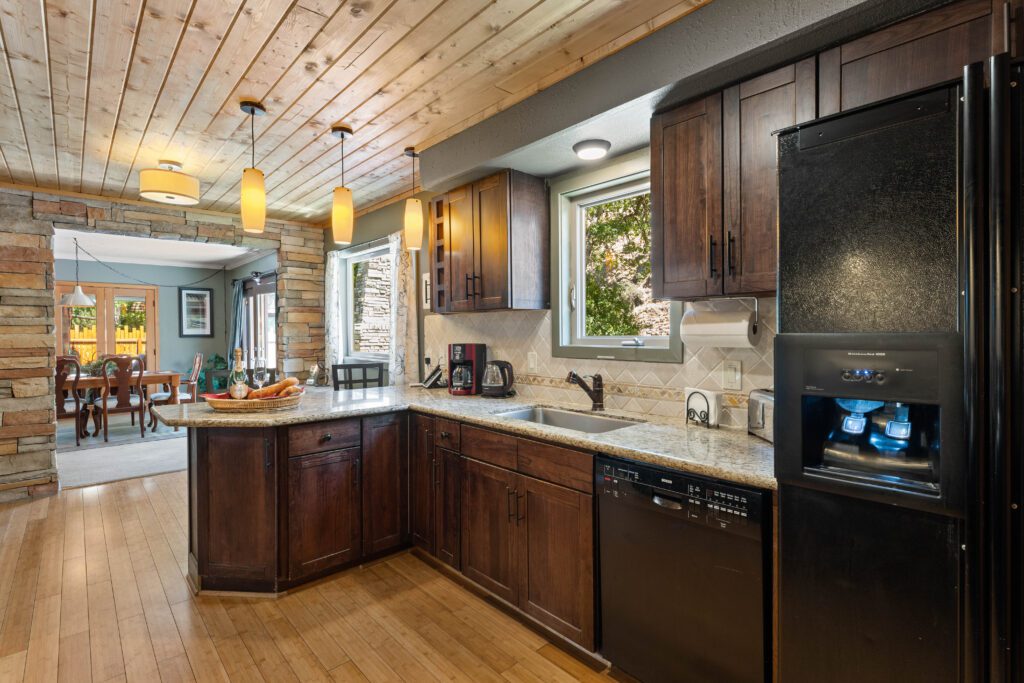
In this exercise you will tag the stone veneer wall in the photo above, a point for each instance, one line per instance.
(649, 388)
(27, 340)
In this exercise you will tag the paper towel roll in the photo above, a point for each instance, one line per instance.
(731, 329)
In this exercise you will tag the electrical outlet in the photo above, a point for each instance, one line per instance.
(531, 361)
(732, 374)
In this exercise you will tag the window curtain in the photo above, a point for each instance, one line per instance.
(401, 352)
(334, 321)
(237, 331)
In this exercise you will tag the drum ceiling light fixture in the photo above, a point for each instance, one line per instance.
(168, 185)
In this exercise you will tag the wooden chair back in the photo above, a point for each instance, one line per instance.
(67, 366)
(344, 375)
(197, 367)
(121, 370)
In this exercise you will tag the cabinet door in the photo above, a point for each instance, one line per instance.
(460, 249)
(555, 548)
(448, 494)
(237, 489)
(422, 482)
(385, 482)
(752, 111)
(686, 200)
(919, 52)
(488, 523)
(490, 273)
(323, 511)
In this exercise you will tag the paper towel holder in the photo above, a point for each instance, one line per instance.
(757, 307)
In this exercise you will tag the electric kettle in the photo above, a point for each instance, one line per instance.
(498, 379)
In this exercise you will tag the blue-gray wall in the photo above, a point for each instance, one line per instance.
(176, 352)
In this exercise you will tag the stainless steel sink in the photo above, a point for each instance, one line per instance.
(566, 419)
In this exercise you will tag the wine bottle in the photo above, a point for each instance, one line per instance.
(237, 384)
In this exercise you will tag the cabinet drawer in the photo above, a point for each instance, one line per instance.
(574, 469)
(487, 446)
(446, 434)
(323, 436)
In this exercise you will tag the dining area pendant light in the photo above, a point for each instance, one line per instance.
(254, 194)
(168, 185)
(77, 297)
(413, 210)
(342, 210)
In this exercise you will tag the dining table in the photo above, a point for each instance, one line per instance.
(150, 377)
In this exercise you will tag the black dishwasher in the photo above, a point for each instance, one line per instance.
(685, 567)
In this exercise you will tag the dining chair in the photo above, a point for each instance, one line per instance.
(122, 391)
(67, 396)
(188, 391)
(344, 375)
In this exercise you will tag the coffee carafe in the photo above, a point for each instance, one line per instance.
(466, 368)
(498, 379)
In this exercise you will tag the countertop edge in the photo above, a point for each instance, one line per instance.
(552, 435)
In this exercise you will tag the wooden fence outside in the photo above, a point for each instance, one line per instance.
(129, 340)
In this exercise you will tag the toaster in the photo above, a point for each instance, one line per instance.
(760, 413)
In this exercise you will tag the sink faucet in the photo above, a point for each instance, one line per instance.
(596, 394)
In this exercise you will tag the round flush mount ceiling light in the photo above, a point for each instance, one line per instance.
(168, 185)
(591, 149)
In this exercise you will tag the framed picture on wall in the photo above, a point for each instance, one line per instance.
(195, 312)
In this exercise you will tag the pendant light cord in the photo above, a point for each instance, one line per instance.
(414, 173)
(252, 132)
(343, 160)
(109, 267)
(76, 262)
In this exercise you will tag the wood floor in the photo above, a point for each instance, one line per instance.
(92, 588)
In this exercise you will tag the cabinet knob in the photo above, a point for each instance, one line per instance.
(325, 438)
(445, 435)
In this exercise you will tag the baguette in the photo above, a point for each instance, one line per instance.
(273, 389)
(289, 391)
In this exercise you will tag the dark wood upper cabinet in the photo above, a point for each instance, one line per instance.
(324, 521)
(489, 245)
(752, 111)
(447, 507)
(422, 484)
(488, 528)
(916, 53)
(686, 194)
(234, 478)
(555, 551)
(385, 482)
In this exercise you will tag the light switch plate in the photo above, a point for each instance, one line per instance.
(531, 361)
(732, 375)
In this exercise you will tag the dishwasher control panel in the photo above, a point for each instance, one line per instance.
(702, 500)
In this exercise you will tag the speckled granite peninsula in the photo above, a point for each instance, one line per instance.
(729, 454)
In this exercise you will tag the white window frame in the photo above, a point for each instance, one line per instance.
(619, 178)
(358, 255)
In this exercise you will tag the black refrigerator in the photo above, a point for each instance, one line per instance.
(899, 379)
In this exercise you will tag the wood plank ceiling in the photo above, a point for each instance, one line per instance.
(119, 84)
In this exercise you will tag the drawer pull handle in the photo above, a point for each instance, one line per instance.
(325, 438)
(445, 435)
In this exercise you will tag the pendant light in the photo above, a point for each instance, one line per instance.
(413, 210)
(168, 185)
(77, 297)
(254, 194)
(342, 211)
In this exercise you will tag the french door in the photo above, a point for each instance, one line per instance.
(124, 320)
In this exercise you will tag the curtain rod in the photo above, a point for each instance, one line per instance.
(253, 277)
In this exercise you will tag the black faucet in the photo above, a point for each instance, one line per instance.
(596, 394)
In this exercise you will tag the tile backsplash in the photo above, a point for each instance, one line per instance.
(646, 388)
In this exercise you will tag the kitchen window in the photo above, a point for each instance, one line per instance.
(602, 267)
(366, 294)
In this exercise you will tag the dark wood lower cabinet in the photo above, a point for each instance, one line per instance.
(385, 482)
(422, 485)
(233, 482)
(556, 558)
(488, 528)
(324, 511)
(447, 507)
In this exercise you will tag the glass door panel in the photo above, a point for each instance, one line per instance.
(123, 321)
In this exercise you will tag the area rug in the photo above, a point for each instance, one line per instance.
(91, 466)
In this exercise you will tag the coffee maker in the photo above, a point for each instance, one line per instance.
(466, 368)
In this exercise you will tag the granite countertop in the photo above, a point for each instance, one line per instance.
(729, 454)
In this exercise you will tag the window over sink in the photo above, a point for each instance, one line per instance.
(602, 267)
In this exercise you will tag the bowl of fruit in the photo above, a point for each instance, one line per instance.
(279, 396)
